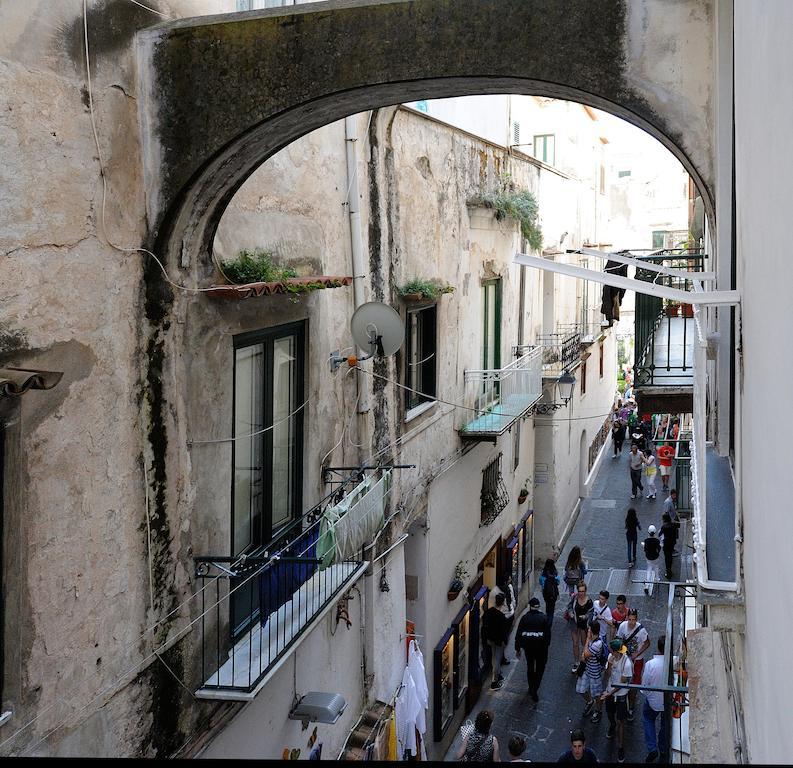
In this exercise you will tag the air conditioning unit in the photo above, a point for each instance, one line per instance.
(318, 707)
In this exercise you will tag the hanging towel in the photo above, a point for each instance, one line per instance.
(408, 707)
(416, 667)
(392, 739)
(354, 521)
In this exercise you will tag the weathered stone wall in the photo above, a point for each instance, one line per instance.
(75, 573)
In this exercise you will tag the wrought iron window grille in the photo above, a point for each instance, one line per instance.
(494, 496)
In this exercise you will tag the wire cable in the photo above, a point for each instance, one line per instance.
(153, 10)
(252, 434)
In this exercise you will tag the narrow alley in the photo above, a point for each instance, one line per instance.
(599, 531)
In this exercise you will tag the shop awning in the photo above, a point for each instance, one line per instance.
(17, 381)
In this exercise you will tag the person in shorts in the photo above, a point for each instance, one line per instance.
(619, 669)
(590, 684)
(666, 453)
(637, 641)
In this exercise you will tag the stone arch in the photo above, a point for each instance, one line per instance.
(221, 94)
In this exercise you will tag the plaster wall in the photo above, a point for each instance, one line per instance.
(74, 559)
(262, 729)
(763, 155)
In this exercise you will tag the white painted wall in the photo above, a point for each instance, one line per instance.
(764, 162)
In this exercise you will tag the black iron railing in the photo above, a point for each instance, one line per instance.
(255, 608)
(664, 331)
(560, 351)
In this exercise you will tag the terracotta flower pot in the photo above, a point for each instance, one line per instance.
(452, 594)
(412, 296)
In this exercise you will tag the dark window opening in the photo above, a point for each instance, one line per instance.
(421, 356)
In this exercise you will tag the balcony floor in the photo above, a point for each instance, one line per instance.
(720, 517)
(673, 347)
(500, 417)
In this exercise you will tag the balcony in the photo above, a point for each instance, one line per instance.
(561, 351)
(256, 610)
(665, 336)
(503, 395)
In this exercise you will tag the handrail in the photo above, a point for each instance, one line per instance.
(499, 374)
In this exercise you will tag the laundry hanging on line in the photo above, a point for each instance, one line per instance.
(347, 526)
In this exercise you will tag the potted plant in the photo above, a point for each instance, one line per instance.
(524, 492)
(672, 309)
(457, 584)
(688, 310)
(419, 289)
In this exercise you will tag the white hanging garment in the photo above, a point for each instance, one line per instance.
(417, 672)
(407, 710)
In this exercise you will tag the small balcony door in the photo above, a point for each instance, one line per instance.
(267, 449)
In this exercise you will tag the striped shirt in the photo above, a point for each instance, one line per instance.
(594, 668)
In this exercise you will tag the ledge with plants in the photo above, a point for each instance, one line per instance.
(256, 273)
(510, 202)
(419, 289)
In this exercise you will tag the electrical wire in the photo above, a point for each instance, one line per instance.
(344, 420)
(252, 434)
(153, 10)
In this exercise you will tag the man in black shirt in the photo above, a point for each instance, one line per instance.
(495, 631)
(533, 636)
(669, 535)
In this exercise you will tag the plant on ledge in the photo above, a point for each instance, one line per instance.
(460, 573)
(419, 288)
(510, 202)
(256, 266)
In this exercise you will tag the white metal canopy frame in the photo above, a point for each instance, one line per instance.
(724, 298)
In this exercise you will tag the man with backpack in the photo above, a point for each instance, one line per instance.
(652, 552)
(533, 637)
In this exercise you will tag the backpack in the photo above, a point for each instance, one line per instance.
(550, 589)
(572, 576)
(603, 656)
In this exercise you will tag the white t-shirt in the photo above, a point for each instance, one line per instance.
(621, 666)
(603, 615)
(640, 638)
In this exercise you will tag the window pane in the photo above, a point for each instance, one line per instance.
(248, 418)
(284, 433)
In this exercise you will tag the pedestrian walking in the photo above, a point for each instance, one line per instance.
(574, 570)
(590, 683)
(581, 616)
(479, 746)
(632, 528)
(602, 613)
(652, 553)
(619, 670)
(495, 632)
(666, 453)
(653, 708)
(549, 584)
(533, 638)
(617, 436)
(668, 541)
(650, 471)
(507, 608)
(670, 506)
(635, 464)
(635, 638)
(579, 752)
(620, 612)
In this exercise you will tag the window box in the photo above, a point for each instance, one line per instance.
(292, 286)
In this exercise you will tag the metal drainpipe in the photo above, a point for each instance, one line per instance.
(356, 241)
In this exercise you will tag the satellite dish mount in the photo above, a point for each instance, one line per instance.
(377, 329)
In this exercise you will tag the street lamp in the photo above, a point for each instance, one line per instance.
(564, 384)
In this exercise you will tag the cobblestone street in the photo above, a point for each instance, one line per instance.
(599, 531)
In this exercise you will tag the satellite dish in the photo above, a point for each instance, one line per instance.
(377, 328)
